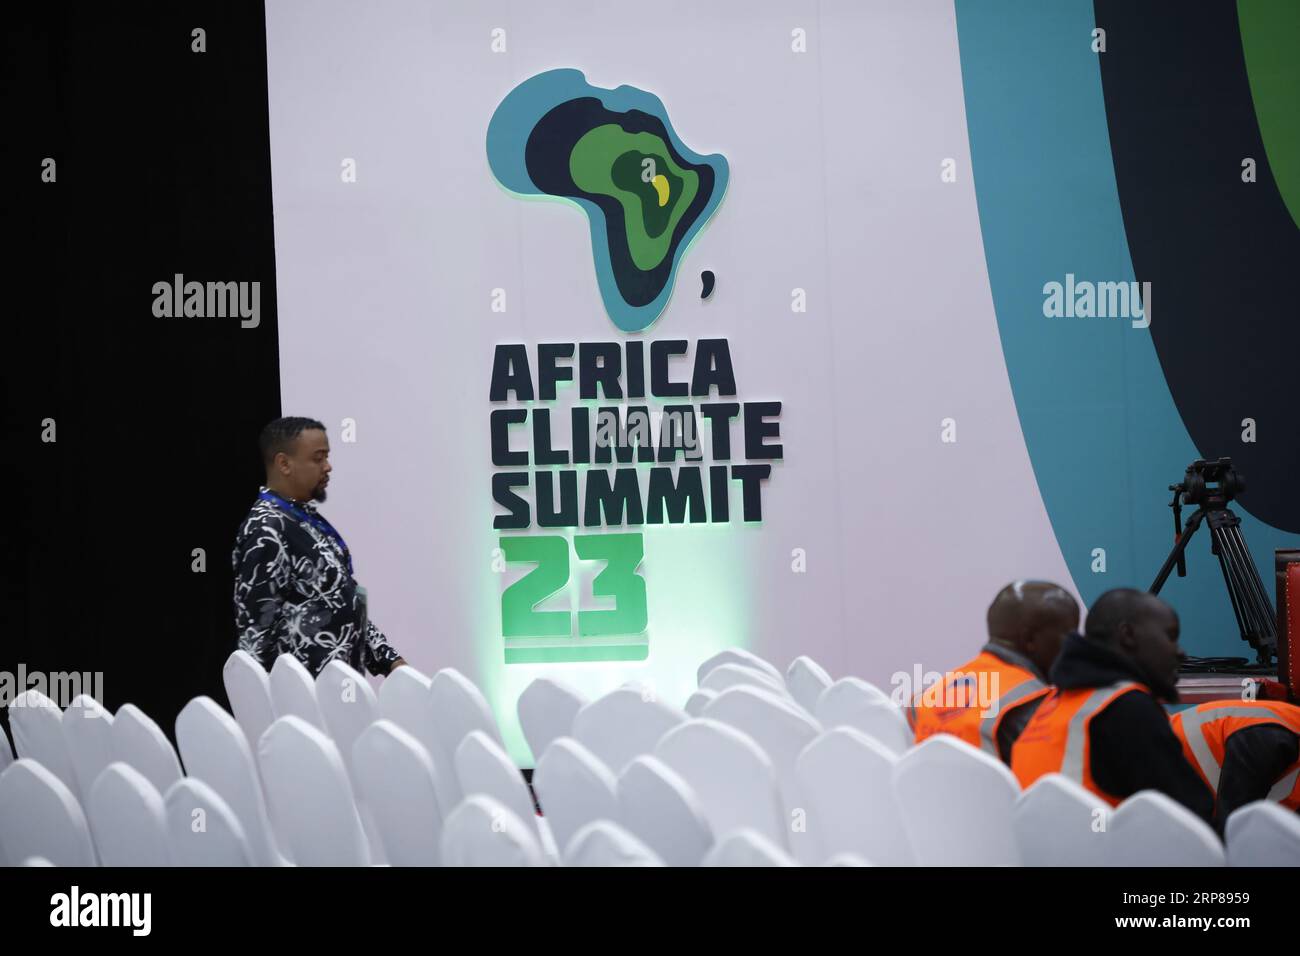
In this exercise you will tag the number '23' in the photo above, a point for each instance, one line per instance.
(619, 580)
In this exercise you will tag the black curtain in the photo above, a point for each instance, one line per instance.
(162, 166)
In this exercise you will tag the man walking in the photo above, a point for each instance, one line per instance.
(294, 589)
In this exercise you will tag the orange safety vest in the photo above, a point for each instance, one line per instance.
(1204, 732)
(1057, 738)
(971, 701)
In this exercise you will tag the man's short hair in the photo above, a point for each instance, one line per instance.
(1112, 609)
(279, 435)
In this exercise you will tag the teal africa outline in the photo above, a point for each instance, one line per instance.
(507, 133)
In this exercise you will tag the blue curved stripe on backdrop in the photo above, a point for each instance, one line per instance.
(1101, 428)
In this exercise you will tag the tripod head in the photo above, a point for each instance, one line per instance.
(1211, 485)
(1208, 483)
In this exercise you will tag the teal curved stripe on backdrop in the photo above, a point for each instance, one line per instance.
(1102, 432)
(1270, 40)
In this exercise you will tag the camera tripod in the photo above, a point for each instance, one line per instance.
(1251, 605)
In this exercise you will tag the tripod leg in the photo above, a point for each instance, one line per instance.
(1250, 603)
(1244, 626)
(1256, 615)
(1266, 602)
(1176, 555)
(1255, 587)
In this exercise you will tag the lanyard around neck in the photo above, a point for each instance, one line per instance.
(316, 521)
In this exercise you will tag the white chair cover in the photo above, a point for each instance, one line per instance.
(88, 733)
(140, 743)
(880, 721)
(484, 832)
(1059, 823)
(546, 710)
(747, 848)
(698, 700)
(6, 753)
(483, 766)
(1263, 833)
(37, 725)
(202, 830)
(624, 724)
(730, 775)
(806, 679)
(39, 816)
(956, 804)
(736, 655)
(394, 777)
(294, 692)
(847, 782)
(249, 688)
(659, 807)
(459, 708)
(725, 676)
(843, 702)
(573, 788)
(310, 796)
(782, 729)
(605, 843)
(1151, 829)
(348, 704)
(217, 752)
(406, 698)
(127, 818)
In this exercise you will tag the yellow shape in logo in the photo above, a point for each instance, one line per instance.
(660, 183)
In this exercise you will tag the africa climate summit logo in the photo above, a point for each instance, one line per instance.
(614, 154)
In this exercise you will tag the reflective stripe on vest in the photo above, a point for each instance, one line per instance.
(1194, 719)
(1076, 737)
(1284, 788)
(1057, 738)
(989, 725)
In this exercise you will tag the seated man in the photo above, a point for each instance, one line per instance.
(1244, 750)
(1102, 724)
(984, 701)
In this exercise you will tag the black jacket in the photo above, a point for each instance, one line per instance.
(295, 594)
(1132, 746)
(1253, 759)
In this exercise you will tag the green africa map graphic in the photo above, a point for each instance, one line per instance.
(615, 155)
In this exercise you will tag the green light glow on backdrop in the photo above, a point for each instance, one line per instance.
(698, 596)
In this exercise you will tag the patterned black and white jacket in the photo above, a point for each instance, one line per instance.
(295, 594)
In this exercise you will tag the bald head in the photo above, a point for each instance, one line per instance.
(1033, 618)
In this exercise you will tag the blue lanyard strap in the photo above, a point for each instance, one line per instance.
(316, 521)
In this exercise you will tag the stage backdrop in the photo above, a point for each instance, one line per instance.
(873, 256)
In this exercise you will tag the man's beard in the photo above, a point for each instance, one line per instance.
(1166, 691)
(1162, 687)
(318, 493)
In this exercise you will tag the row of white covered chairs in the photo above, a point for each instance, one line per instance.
(308, 772)
(820, 771)
(760, 768)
